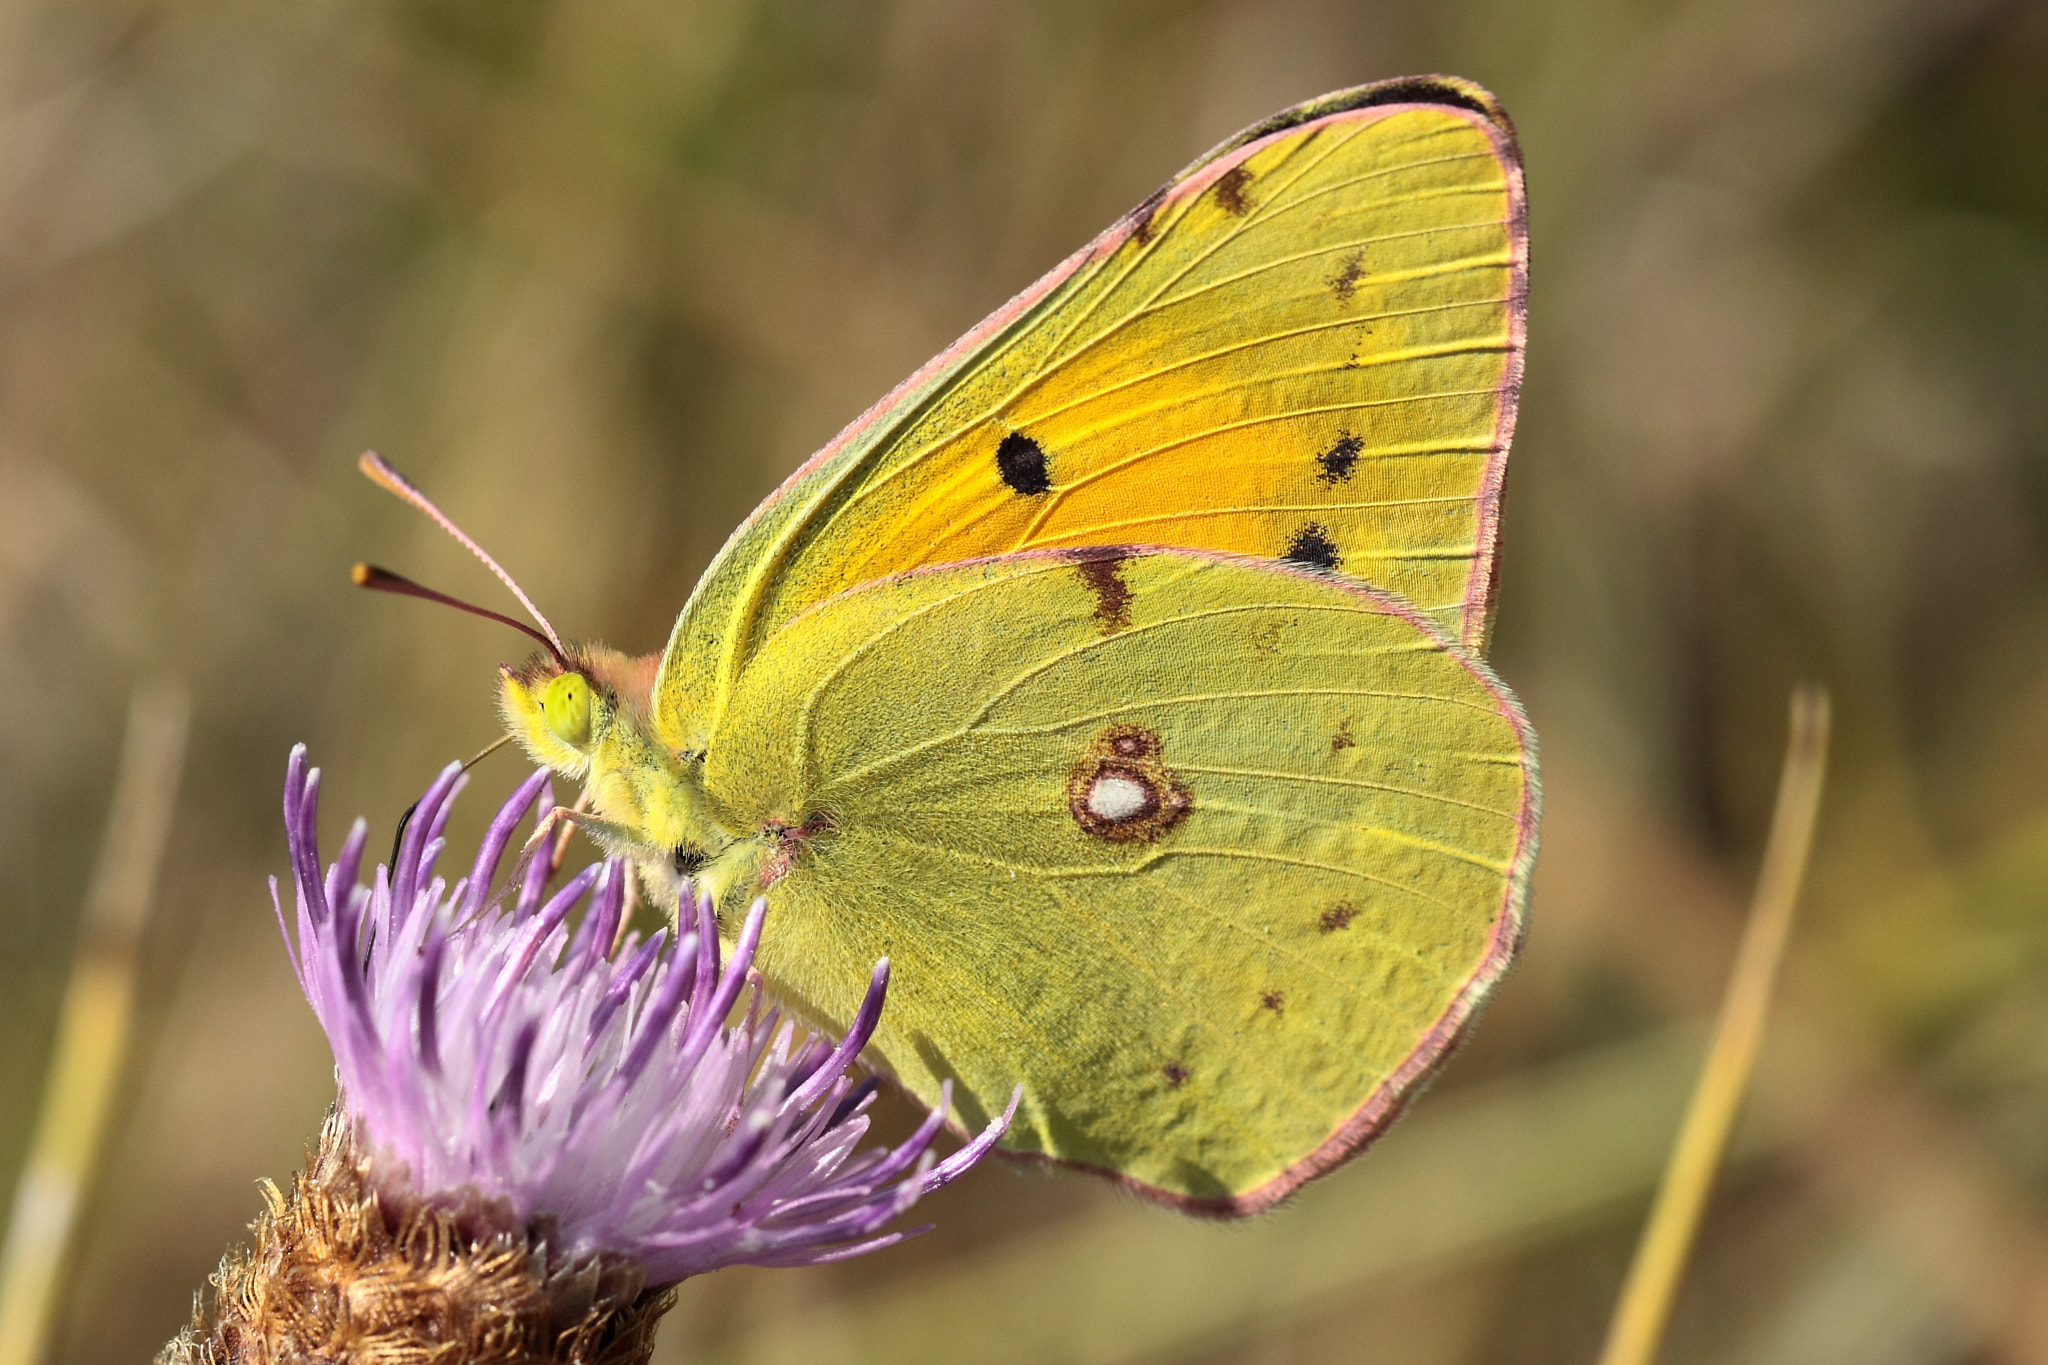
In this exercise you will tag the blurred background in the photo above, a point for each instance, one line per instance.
(599, 275)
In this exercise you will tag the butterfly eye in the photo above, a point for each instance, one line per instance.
(566, 704)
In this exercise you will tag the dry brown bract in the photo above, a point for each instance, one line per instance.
(344, 1272)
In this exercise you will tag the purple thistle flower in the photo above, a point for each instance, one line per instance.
(488, 1048)
(540, 1130)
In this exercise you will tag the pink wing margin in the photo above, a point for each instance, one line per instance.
(1361, 104)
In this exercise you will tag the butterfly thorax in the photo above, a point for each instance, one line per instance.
(590, 722)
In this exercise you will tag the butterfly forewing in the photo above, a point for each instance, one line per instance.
(1305, 350)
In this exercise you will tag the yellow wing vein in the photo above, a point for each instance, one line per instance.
(1386, 940)
(1093, 535)
(1181, 209)
(806, 717)
(886, 761)
(1462, 346)
(1265, 209)
(1262, 213)
(1259, 419)
(1322, 781)
(1191, 698)
(1057, 353)
(1058, 494)
(1262, 419)
(1391, 835)
(1067, 873)
(882, 481)
(1230, 1039)
(1061, 347)
(1102, 932)
(1276, 204)
(1337, 248)
(1260, 856)
(1465, 346)
(1416, 196)
(735, 637)
(1208, 613)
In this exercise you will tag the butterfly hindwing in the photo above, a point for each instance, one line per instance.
(1214, 856)
(1306, 348)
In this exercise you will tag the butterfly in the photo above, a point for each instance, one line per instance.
(1119, 676)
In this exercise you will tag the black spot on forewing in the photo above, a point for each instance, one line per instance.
(1230, 192)
(1344, 283)
(1312, 548)
(1274, 1001)
(1176, 1074)
(1340, 459)
(1337, 917)
(1342, 739)
(1021, 463)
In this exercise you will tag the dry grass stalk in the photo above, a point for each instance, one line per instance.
(1644, 1309)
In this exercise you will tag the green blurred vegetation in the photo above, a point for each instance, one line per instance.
(599, 275)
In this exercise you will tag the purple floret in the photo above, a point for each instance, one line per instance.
(485, 1046)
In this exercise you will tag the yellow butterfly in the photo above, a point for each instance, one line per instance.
(1118, 676)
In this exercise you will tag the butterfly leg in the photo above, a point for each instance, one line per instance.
(616, 839)
(561, 849)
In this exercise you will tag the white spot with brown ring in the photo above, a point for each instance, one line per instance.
(1122, 791)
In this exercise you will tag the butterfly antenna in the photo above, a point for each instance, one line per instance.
(379, 579)
(379, 471)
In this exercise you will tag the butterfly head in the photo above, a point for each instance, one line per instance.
(585, 714)
(576, 713)
(582, 710)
